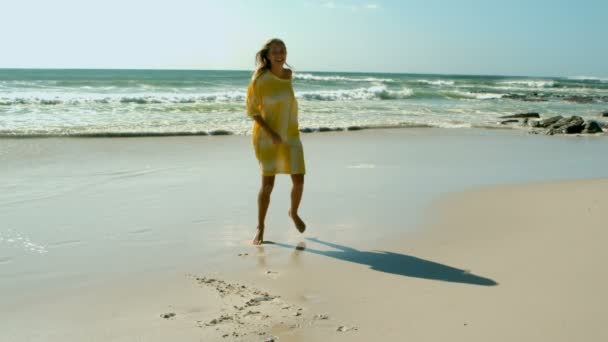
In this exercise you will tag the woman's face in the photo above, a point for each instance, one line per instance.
(277, 54)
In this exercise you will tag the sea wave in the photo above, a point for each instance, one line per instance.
(588, 78)
(369, 93)
(436, 82)
(312, 77)
(374, 92)
(472, 95)
(529, 83)
(237, 98)
(76, 99)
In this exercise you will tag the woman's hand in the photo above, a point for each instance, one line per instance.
(276, 139)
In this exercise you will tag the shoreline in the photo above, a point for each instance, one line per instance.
(515, 128)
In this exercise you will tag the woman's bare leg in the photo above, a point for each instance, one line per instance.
(263, 203)
(296, 197)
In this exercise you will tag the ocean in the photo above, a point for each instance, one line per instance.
(81, 102)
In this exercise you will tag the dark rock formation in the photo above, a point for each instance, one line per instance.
(521, 116)
(550, 121)
(330, 129)
(592, 127)
(604, 114)
(504, 122)
(220, 132)
(571, 125)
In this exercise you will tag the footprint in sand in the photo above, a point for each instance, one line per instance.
(249, 313)
(272, 274)
(344, 328)
(168, 315)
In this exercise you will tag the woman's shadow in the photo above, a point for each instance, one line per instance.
(394, 263)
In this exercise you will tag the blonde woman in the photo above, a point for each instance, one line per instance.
(276, 139)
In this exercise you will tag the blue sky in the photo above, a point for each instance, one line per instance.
(515, 37)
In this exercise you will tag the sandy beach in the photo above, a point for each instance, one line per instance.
(501, 263)
(413, 234)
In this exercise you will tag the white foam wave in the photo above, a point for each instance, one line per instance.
(488, 96)
(312, 77)
(437, 82)
(588, 78)
(41, 98)
(530, 83)
(477, 96)
(374, 92)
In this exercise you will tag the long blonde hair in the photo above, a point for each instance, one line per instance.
(262, 63)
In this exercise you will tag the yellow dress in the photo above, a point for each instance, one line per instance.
(273, 98)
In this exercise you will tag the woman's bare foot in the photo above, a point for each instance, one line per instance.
(300, 225)
(259, 236)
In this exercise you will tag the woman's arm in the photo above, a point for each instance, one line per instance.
(276, 139)
(254, 110)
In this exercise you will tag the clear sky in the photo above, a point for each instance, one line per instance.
(498, 37)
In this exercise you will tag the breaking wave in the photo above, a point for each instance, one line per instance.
(312, 77)
(529, 83)
(436, 82)
(374, 92)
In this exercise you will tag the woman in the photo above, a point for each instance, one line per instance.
(276, 139)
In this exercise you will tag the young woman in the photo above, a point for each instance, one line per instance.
(276, 139)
